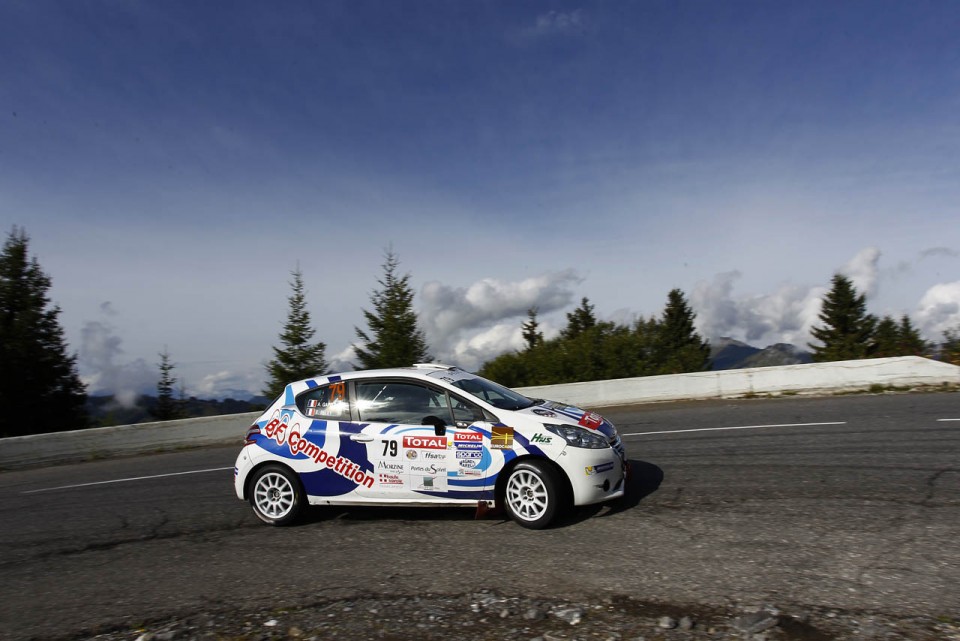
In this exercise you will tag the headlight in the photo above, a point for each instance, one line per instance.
(578, 437)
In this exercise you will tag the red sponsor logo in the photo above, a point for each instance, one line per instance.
(468, 437)
(277, 428)
(591, 420)
(390, 479)
(425, 442)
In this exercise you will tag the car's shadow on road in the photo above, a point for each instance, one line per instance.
(644, 480)
(361, 513)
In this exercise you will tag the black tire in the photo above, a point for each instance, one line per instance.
(276, 495)
(533, 494)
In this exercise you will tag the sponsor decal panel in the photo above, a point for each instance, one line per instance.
(468, 462)
(501, 438)
(541, 438)
(277, 430)
(411, 455)
(468, 437)
(598, 469)
(433, 456)
(470, 455)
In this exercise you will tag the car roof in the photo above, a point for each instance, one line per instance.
(423, 371)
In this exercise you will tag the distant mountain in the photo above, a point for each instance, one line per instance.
(728, 353)
(107, 410)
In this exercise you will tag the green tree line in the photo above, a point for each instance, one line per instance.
(37, 372)
(589, 350)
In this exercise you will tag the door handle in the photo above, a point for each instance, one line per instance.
(361, 438)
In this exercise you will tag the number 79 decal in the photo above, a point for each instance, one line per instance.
(389, 448)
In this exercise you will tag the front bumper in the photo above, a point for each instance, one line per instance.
(595, 475)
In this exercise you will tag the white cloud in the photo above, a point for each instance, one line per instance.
(862, 271)
(100, 371)
(788, 314)
(784, 316)
(227, 384)
(939, 310)
(343, 361)
(553, 24)
(466, 326)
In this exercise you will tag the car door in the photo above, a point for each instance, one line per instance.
(410, 458)
(471, 462)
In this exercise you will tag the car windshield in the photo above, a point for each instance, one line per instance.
(497, 395)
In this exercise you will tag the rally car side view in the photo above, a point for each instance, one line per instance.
(425, 435)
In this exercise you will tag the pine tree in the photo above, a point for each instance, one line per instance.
(848, 331)
(393, 337)
(678, 347)
(298, 358)
(531, 334)
(579, 320)
(950, 348)
(36, 373)
(909, 339)
(167, 408)
(886, 338)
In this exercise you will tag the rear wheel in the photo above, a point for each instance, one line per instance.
(276, 495)
(532, 494)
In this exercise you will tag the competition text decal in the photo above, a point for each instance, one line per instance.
(277, 430)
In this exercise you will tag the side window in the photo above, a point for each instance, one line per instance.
(399, 403)
(329, 401)
(465, 413)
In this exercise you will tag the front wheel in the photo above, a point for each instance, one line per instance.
(532, 494)
(276, 495)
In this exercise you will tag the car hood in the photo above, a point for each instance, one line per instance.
(552, 411)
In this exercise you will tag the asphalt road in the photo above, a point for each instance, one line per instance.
(851, 503)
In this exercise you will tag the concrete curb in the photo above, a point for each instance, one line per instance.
(817, 378)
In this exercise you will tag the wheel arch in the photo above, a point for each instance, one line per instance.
(262, 464)
(501, 485)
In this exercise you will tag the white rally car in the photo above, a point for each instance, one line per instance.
(425, 435)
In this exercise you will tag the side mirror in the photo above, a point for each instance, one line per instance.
(439, 427)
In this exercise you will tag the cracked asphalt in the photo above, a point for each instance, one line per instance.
(859, 514)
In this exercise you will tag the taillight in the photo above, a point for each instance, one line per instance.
(251, 433)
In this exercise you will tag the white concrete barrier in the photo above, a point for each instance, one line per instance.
(97, 442)
(816, 378)
(813, 378)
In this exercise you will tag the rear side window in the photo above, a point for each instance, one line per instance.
(329, 401)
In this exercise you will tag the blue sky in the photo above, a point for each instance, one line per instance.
(174, 161)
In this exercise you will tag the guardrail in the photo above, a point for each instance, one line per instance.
(816, 378)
